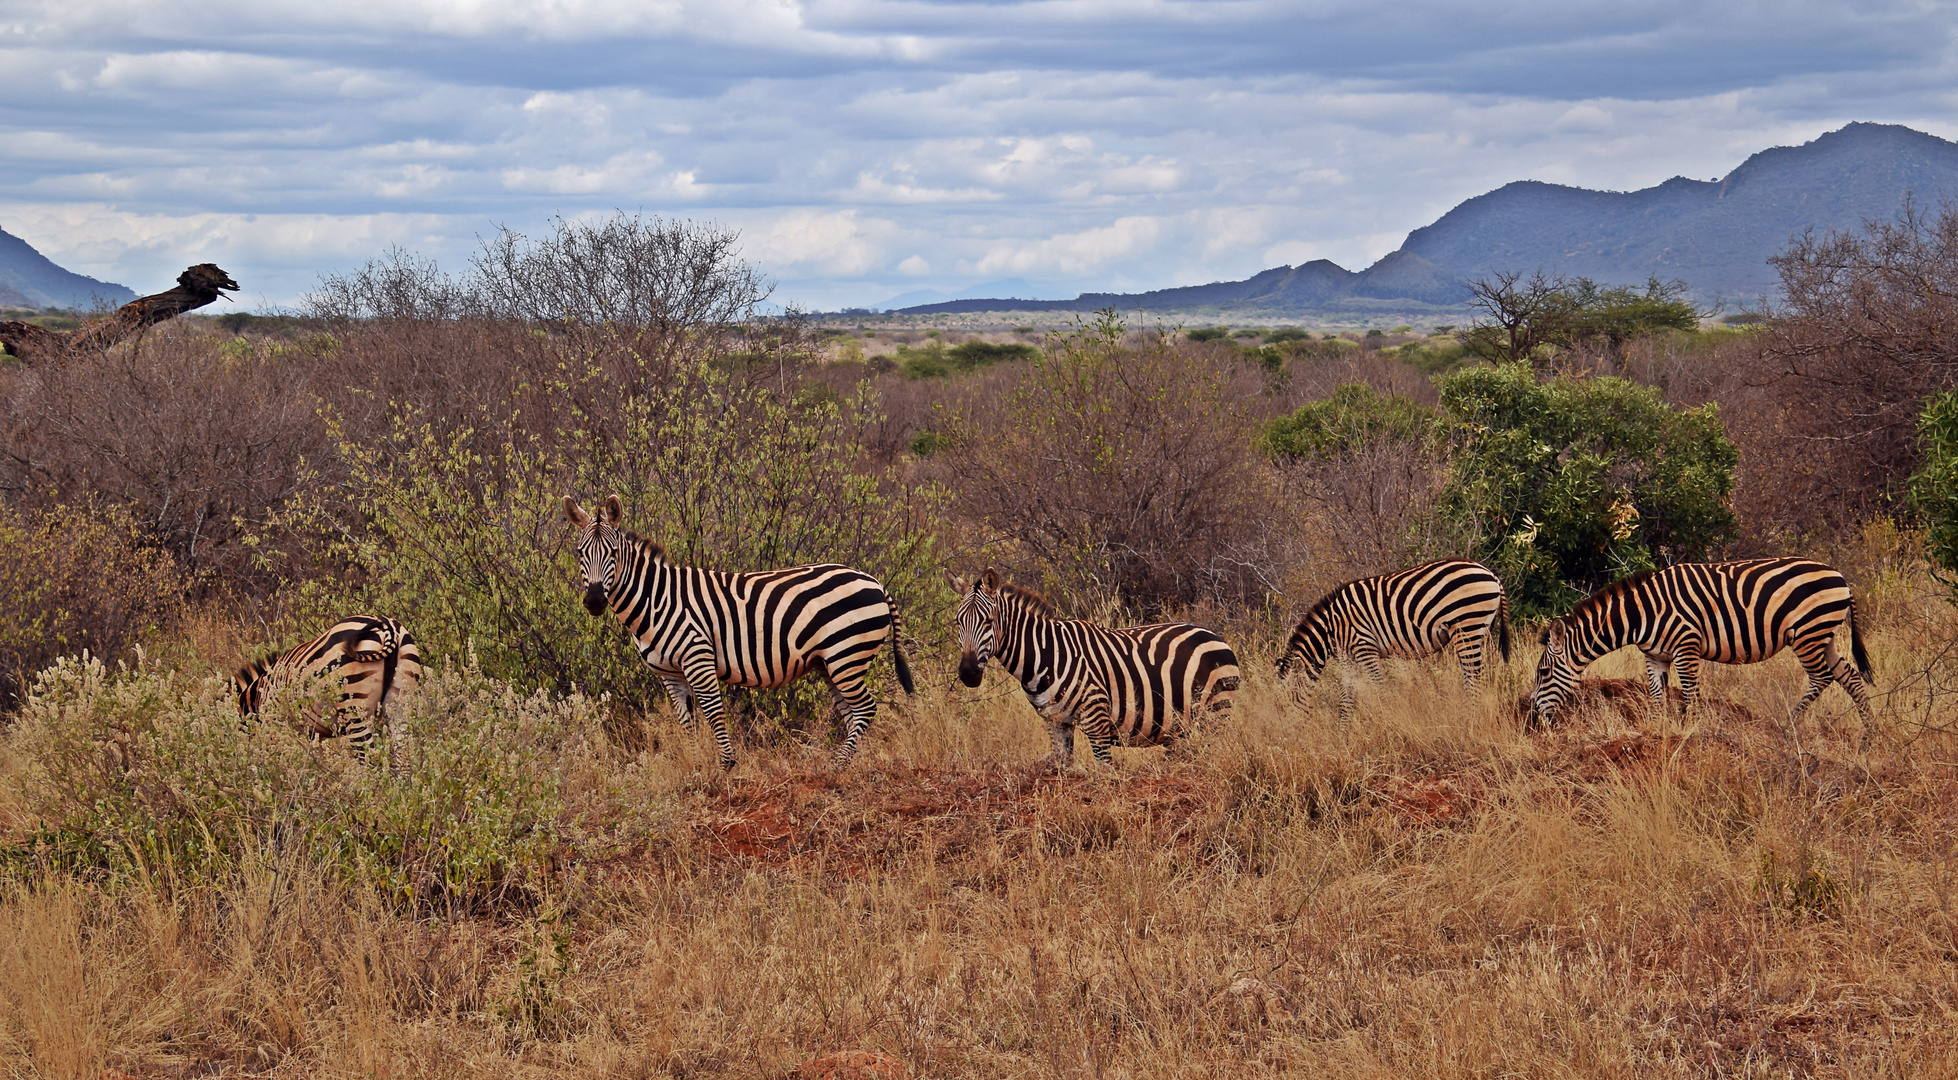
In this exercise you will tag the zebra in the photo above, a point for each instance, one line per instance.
(373, 658)
(1139, 685)
(1729, 613)
(1413, 613)
(699, 628)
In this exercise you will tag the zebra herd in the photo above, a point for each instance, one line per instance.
(699, 629)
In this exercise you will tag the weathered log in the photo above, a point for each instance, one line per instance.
(196, 287)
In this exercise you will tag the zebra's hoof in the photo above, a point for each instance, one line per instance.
(727, 764)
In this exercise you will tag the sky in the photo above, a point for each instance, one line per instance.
(868, 148)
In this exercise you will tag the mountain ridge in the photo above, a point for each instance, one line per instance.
(30, 279)
(1715, 235)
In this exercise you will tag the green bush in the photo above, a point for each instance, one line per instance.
(1573, 483)
(933, 360)
(1353, 416)
(1209, 333)
(147, 772)
(1934, 488)
(1285, 334)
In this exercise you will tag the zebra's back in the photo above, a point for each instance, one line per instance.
(769, 628)
(1410, 613)
(373, 658)
(1745, 612)
(1158, 677)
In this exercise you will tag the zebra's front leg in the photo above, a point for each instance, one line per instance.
(1099, 726)
(861, 708)
(704, 683)
(1060, 730)
(1688, 663)
(1658, 670)
(682, 699)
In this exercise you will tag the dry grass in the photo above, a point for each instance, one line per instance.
(1433, 892)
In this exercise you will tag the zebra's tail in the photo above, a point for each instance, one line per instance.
(1856, 646)
(897, 652)
(1502, 626)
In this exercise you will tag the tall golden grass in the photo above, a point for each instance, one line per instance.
(1433, 891)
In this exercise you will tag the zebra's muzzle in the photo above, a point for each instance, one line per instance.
(595, 599)
(971, 671)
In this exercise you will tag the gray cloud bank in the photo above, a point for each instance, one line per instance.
(869, 148)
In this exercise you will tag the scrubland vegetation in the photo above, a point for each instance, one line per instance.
(538, 873)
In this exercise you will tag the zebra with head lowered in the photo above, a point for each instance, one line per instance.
(1412, 614)
(1729, 613)
(699, 628)
(372, 657)
(1139, 685)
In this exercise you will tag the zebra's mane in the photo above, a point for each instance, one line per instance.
(258, 664)
(1611, 591)
(1320, 607)
(649, 546)
(1027, 596)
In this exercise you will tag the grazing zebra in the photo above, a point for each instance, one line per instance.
(1412, 614)
(1139, 685)
(700, 628)
(372, 656)
(1730, 613)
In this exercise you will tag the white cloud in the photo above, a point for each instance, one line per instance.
(1104, 144)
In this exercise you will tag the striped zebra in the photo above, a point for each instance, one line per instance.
(1412, 614)
(1729, 613)
(699, 628)
(1138, 685)
(372, 657)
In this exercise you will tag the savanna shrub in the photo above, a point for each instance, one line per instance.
(1934, 488)
(147, 771)
(462, 535)
(78, 578)
(1573, 483)
(1118, 466)
(1376, 465)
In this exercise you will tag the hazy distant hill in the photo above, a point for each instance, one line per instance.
(1715, 235)
(29, 279)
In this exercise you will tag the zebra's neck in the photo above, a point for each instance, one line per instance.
(1608, 628)
(1023, 631)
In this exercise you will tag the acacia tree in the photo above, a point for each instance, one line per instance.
(1521, 315)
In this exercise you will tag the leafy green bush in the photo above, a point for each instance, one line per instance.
(1573, 483)
(1286, 333)
(1934, 488)
(1356, 414)
(146, 771)
(933, 360)
(1209, 333)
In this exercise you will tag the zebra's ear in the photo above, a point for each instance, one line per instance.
(614, 510)
(958, 585)
(1554, 635)
(574, 513)
(992, 580)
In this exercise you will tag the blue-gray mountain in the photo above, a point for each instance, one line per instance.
(29, 280)
(1716, 235)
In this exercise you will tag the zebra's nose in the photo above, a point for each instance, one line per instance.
(970, 671)
(595, 599)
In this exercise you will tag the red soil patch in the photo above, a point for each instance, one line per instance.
(1425, 801)
(850, 822)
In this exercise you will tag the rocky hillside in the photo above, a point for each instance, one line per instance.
(1715, 235)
